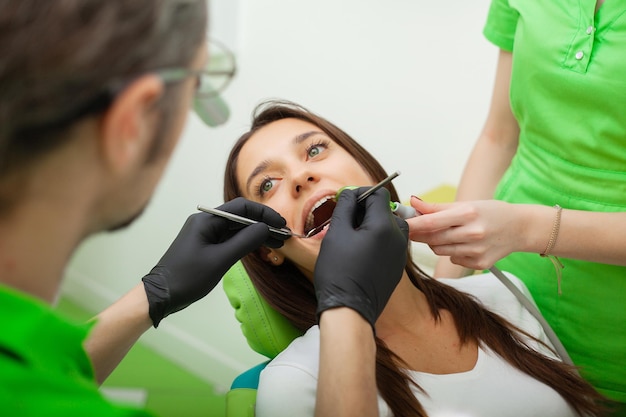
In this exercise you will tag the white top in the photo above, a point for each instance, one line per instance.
(493, 388)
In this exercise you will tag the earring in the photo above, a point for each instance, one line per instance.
(275, 258)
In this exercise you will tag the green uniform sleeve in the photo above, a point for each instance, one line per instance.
(501, 24)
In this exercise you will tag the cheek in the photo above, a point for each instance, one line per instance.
(280, 204)
(303, 257)
(353, 173)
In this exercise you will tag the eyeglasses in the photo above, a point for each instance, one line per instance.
(212, 81)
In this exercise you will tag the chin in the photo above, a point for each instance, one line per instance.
(127, 222)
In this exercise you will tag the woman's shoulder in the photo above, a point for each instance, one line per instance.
(302, 352)
(288, 384)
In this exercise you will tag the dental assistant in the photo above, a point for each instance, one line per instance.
(93, 98)
(552, 154)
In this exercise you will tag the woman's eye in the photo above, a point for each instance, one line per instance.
(266, 185)
(316, 149)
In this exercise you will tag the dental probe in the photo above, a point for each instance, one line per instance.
(360, 198)
(376, 187)
(244, 220)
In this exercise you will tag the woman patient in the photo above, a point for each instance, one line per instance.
(444, 347)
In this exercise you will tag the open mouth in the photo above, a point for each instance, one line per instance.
(322, 211)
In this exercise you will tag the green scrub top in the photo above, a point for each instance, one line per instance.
(568, 94)
(44, 370)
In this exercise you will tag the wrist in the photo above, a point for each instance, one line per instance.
(346, 302)
(137, 307)
(345, 319)
(157, 294)
(554, 232)
(117, 328)
(537, 225)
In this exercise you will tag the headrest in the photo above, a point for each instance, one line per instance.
(267, 331)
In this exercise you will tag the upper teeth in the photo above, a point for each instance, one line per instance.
(310, 218)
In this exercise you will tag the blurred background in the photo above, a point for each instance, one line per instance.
(411, 80)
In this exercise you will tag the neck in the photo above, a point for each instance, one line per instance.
(407, 310)
(53, 214)
(35, 245)
(423, 343)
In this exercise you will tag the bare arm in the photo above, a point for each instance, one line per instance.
(347, 359)
(497, 142)
(476, 234)
(491, 155)
(117, 330)
(591, 236)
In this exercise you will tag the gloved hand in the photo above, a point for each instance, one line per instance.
(205, 248)
(361, 261)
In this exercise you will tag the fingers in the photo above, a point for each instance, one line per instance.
(345, 211)
(471, 263)
(260, 213)
(432, 222)
(468, 256)
(377, 208)
(275, 240)
(435, 237)
(204, 227)
(402, 225)
(255, 211)
(448, 223)
(245, 241)
(378, 203)
(378, 213)
(422, 206)
(432, 208)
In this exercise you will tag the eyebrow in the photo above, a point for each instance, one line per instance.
(265, 164)
(304, 136)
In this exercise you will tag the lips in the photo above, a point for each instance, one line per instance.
(321, 211)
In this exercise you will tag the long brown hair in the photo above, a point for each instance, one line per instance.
(473, 322)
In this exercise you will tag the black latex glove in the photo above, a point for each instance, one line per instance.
(362, 256)
(205, 248)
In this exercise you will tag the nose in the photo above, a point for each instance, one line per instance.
(302, 181)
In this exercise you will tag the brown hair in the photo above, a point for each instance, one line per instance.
(472, 320)
(60, 58)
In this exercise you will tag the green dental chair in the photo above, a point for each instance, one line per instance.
(266, 331)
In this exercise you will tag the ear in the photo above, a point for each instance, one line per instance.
(126, 127)
(272, 256)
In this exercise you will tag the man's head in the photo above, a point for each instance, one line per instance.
(75, 66)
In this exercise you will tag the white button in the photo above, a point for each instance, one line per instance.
(580, 55)
(590, 30)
